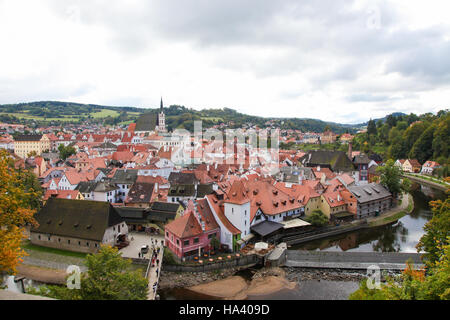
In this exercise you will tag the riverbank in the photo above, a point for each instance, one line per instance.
(406, 207)
(263, 282)
(41, 274)
(170, 280)
(441, 185)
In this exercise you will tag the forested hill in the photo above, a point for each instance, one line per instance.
(423, 137)
(55, 112)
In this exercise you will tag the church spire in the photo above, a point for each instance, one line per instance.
(161, 105)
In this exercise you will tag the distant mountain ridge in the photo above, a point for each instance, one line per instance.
(176, 116)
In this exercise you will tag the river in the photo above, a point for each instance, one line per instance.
(401, 236)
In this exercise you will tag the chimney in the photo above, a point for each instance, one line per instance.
(350, 150)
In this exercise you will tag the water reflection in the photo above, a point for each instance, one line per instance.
(398, 237)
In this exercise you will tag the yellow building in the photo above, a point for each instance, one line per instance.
(26, 144)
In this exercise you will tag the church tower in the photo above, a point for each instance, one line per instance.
(161, 119)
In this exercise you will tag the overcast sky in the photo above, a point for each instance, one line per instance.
(343, 61)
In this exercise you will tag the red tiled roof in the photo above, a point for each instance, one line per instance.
(185, 226)
(217, 205)
(124, 156)
(207, 216)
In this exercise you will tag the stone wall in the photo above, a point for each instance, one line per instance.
(65, 243)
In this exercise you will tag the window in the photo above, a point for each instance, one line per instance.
(39, 237)
(210, 236)
(87, 244)
(178, 242)
(68, 241)
(186, 242)
(196, 240)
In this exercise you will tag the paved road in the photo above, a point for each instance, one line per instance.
(350, 260)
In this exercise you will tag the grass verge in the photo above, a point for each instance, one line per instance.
(27, 245)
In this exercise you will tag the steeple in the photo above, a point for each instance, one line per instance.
(161, 105)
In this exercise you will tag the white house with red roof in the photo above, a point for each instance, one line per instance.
(429, 166)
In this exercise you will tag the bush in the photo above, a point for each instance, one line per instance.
(317, 218)
(169, 258)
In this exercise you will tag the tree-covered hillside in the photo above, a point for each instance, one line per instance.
(46, 112)
(423, 137)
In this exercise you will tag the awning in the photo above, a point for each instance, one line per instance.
(266, 227)
(295, 223)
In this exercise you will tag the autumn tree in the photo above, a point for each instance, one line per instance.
(436, 231)
(17, 206)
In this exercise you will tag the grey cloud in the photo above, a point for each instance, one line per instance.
(430, 63)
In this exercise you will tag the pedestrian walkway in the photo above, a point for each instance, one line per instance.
(156, 254)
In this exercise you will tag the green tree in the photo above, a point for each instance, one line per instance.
(66, 152)
(317, 218)
(421, 149)
(372, 127)
(215, 243)
(109, 277)
(391, 178)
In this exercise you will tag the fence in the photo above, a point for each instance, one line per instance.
(243, 261)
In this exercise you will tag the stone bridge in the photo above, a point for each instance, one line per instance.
(351, 260)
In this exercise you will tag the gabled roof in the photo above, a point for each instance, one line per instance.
(125, 176)
(182, 178)
(217, 206)
(361, 159)
(76, 218)
(206, 214)
(86, 186)
(140, 193)
(165, 206)
(204, 189)
(185, 226)
(237, 193)
(414, 162)
(336, 160)
(182, 190)
(369, 192)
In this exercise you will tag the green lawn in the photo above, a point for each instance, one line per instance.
(27, 246)
(105, 113)
(31, 117)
